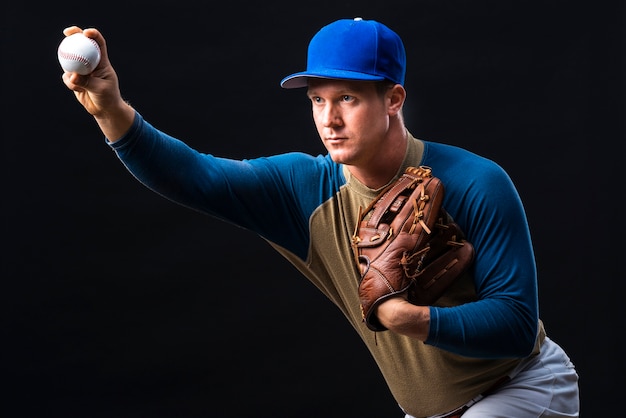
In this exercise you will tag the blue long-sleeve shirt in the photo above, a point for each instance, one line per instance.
(306, 207)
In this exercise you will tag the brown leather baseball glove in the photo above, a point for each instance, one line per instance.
(404, 241)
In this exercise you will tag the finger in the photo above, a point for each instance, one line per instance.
(75, 81)
(95, 34)
(70, 30)
(92, 33)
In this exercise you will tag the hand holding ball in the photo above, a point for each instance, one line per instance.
(78, 54)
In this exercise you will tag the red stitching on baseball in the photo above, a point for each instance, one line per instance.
(74, 57)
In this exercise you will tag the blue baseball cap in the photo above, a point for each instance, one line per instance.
(353, 49)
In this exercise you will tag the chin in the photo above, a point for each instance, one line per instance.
(340, 157)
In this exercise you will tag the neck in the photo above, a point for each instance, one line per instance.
(378, 173)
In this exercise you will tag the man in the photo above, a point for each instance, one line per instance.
(481, 349)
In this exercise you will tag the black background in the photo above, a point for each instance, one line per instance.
(122, 304)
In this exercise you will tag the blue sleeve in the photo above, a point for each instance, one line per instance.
(483, 200)
(268, 192)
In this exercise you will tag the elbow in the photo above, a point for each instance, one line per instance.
(533, 339)
(526, 336)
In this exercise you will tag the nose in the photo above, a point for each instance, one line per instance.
(331, 116)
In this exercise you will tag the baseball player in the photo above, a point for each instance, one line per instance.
(480, 350)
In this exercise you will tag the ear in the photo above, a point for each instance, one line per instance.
(395, 99)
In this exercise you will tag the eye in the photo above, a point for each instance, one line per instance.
(347, 98)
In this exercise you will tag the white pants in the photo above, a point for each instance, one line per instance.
(543, 386)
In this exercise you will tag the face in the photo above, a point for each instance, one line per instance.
(351, 117)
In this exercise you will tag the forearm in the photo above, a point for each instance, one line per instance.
(488, 328)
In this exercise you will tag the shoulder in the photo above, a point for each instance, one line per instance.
(454, 164)
(472, 182)
(302, 175)
(440, 153)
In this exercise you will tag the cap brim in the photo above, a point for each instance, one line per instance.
(298, 80)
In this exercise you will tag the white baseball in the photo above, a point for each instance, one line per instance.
(78, 54)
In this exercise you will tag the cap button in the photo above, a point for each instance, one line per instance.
(358, 18)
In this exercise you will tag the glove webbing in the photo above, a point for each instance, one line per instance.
(392, 200)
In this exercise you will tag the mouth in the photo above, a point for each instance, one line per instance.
(335, 139)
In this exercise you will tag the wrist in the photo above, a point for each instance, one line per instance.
(403, 317)
(116, 121)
